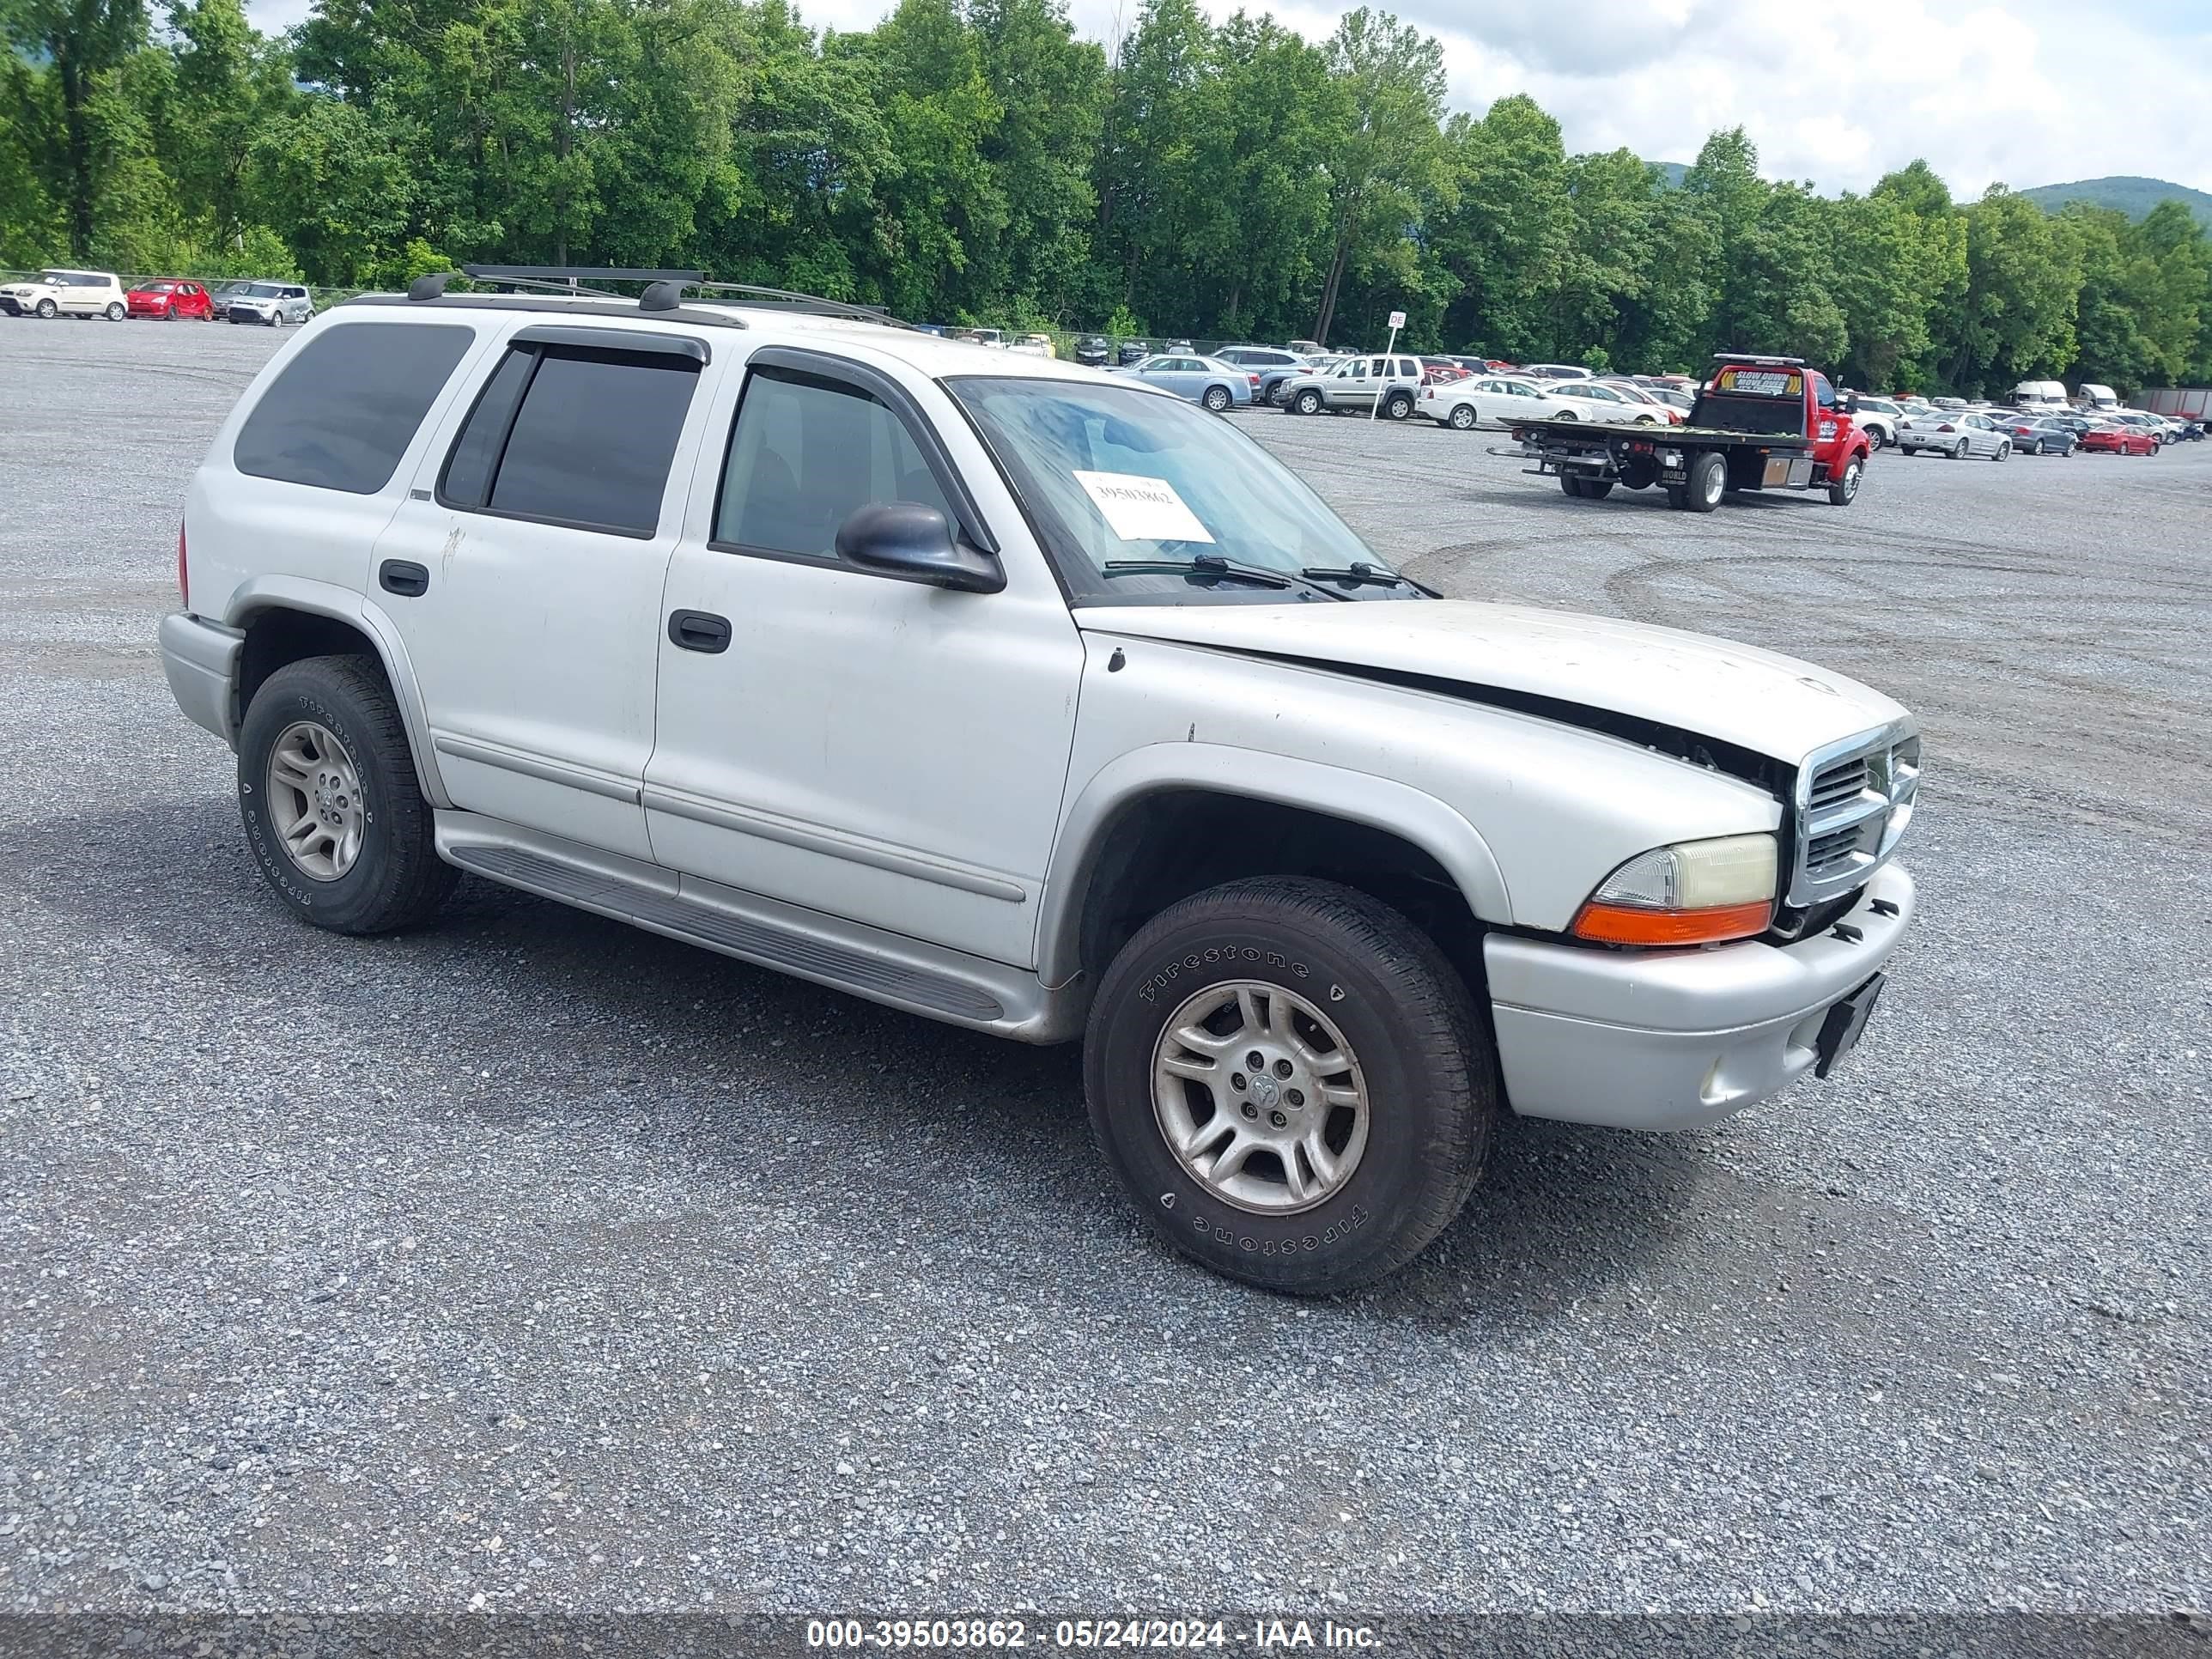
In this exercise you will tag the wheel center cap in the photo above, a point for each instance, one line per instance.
(1265, 1091)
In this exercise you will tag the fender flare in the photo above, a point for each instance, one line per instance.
(318, 598)
(1086, 825)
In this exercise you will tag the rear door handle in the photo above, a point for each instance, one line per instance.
(404, 577)
(699, 630)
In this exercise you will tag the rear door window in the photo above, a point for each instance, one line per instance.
(574, 436)
(343, 410)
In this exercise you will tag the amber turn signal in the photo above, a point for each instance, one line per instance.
(1628, 924)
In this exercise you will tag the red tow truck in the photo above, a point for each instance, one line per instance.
(1760, 423)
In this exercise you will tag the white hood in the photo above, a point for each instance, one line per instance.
(1759, 699)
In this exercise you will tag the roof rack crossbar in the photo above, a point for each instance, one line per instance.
(807, 301)
(565, 274)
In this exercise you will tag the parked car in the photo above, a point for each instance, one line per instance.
(1553, 372)
(1069, 715)
(1130, 352)
(1358, 386)
(1219, 387)
(1309, 347)
(1441, 371)
(1034, 345)
(61, 293)
(2038, 434)
(272, 303)
(2117, 438)
(1500, 400)
(1878, 418)
(170, 298)
(1959, 434)
(1273, 364)
(1093, 350)
(2142, 421)
(2094, 399)
(1616, 400)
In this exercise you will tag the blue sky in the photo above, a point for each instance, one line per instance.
(2028, 91)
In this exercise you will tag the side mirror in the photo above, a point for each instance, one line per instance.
(916, 543)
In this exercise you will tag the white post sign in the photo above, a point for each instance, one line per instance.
(1397, 322)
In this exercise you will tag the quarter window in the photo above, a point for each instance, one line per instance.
(572, 434)
(344, 409)
(806, 454)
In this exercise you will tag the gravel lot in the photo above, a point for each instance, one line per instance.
(537, 1260)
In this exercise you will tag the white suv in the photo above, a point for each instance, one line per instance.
(66, 294)
(1027, 697)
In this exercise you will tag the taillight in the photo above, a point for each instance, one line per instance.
(184, 576)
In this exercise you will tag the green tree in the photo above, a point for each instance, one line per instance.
(83, 41)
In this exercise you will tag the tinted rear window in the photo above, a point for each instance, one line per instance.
(591, 444)
(344, 411)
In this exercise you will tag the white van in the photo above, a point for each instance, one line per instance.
(2095, 397)
(2038, 394)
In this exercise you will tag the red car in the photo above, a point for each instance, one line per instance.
(2119, 441)
(169, 299)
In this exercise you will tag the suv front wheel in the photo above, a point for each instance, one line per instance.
(1292, 1083)
(334, 811)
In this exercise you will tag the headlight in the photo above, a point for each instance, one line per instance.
(1696, 892)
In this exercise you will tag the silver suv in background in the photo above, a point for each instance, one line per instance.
(272, 303)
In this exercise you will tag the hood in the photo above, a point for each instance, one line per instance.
(1773, 705)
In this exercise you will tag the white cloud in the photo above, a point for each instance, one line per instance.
(2029, 91)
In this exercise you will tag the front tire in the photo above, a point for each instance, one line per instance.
(1352, 1145)
(1845, 490)
(334, 813)
(2004, 453)
(45, 309)
(1308, 402)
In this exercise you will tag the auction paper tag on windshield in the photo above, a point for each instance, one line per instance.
(1140, 509)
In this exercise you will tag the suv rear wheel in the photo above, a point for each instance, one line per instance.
(333, 812)
(1292, 1083)
(1398, 406)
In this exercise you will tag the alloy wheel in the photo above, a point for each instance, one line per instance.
(314, 801)
(1259, 1096)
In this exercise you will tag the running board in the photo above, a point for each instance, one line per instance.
(882, 967)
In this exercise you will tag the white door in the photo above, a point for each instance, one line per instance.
(525, 571)
(79, 296)
(874, 749)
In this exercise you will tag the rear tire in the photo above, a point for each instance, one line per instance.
(1217, 399)
(1961, 450)
(395, 877)
(114, 313)
(1370, 1040)
(1398, 406)
(1463, 417)
(1570, 484)
(1707, 482)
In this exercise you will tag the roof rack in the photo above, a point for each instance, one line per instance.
(808, 303)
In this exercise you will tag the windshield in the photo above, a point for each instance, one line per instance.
(262, 290)
(1112, 474)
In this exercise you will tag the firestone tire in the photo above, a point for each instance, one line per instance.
(396, 879)
(1276, 952)
(1845, 490)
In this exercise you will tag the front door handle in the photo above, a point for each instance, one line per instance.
(404, 577)
(699, 630)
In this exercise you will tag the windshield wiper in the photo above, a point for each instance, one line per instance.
(1359, 573)
(1213, 564)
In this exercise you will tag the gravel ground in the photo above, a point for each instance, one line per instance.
(534, 1262)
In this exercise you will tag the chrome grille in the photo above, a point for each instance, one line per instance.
(1854, 800)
